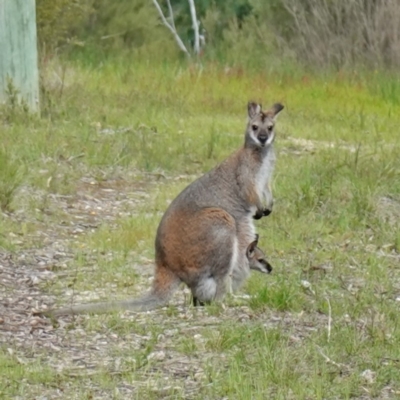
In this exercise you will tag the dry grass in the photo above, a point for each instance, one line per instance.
(344, 33)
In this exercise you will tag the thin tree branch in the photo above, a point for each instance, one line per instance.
(329, 360)
(171, 14)
(171, 28)
(195, 27)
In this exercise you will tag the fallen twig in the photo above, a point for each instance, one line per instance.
(329, 360)
(329, 318)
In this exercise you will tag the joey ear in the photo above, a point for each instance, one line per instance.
(253, 109)
(275, 110)
(250, 249)
(257, 237)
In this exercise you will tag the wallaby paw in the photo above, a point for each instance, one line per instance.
(262, 213)
(258, 215)
(266, 212)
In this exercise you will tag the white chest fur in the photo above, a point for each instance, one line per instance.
(263, 177)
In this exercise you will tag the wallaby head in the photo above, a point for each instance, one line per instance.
(257, 259)
(260, 128)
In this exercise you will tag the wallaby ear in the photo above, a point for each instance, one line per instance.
(253, 109)
(250, 249)
(275, 110)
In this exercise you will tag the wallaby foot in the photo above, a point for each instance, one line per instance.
(197, 302)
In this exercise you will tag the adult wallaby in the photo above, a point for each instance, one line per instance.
(203, 237)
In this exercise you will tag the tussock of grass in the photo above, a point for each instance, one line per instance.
(26, 378)
(10, 179)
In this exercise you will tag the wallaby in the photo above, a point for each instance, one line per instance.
(256, 257)
(257, 262)
(203, 236)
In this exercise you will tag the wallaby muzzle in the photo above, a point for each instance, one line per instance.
(268, 266)
(263, 136)
(263, 139)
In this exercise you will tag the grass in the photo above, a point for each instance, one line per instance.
(11, 178)
(327, 314)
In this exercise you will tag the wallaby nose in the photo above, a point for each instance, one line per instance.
(269, 267)
(263, 139)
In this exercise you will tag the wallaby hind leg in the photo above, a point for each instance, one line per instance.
(204, 291)
(219, 281)
(241, 269)
(209, 290)
(165, 282)
(223, 287)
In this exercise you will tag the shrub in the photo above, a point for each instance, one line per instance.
(59, 20)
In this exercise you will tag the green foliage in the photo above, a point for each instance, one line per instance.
(14, 107)
(59, 20)
(129, 25)
(16, 377)
(281, 295)
(242, 33)
(224, 12)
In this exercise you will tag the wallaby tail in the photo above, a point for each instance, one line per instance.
(164, 285)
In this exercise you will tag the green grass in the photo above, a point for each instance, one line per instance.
(332, 239)
(25, 378)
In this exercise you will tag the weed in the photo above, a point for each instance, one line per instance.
(11, 178)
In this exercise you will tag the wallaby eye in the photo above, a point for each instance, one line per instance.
(270, 127)
(254, 127)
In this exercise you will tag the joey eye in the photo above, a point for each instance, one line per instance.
(254, 127)
(270, 127)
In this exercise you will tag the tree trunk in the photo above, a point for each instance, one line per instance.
(18, 52)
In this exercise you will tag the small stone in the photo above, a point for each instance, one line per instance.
(199, 376)
(161, 338)
(156, 356)
(368, 376)
(35, 321)
(307, 285)
(34, 280)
